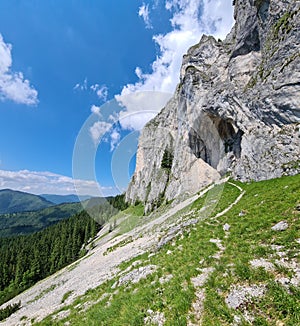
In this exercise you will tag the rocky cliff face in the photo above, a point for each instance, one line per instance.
(236, 108)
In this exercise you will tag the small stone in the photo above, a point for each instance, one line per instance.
(136, 275)
(284, 281)
(154, 318)
(256, 263)
(165, 279)
(281, 226)
(237, 320)
(135, 263)
(226, 227)
(241, 295)
(200, 280)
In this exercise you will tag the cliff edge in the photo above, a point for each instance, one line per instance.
(236, 109)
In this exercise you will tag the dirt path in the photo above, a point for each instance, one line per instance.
(199, 281)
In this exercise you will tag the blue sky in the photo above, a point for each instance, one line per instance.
(61, 61)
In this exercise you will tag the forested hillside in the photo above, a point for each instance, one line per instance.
(27, 259)
(12, 201)
(22, 223)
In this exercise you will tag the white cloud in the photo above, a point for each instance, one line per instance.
(49, 183)
(217, 18)
(135, 121)
(94, 87)
(81, 86)
(98, 130)
(102, 92)
(191, 19)
(104, 131)
(96, 110)
(115, 138)
(140, 107)
(145, 14)
(13, 86)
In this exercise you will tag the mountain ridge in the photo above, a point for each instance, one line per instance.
(12, 201)
(61, 199)
(27, 222)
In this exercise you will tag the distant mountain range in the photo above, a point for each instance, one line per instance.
(21, 223)
(24, 213)
(12, 201)
(60, 199)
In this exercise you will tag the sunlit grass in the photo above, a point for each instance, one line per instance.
(250, 237)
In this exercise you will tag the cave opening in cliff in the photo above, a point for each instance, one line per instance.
(211, 138)
(230, 137)
(198, 146)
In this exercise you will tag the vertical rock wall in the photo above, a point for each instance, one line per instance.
(236, 109)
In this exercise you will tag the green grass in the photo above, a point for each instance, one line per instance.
(66, 296)
(264, 204)
(133, 216)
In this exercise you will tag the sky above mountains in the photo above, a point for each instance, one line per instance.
(61, 62)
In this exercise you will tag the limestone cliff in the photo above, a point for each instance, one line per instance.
(236, 108)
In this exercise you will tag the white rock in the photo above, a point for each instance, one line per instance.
(226, 227)
(281, 226)
(241, 295)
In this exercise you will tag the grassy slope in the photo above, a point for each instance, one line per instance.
(264, 204)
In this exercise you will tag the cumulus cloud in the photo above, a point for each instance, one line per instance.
(114, 139)
(217, 18)
(140, 107)
(98, 130)
(101, 91)
(190, 20)
(13, 85)
(49, 183)
(145, 14)
(96, 110)
(105, 131)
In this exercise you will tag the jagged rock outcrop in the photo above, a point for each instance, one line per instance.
(236, 108)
